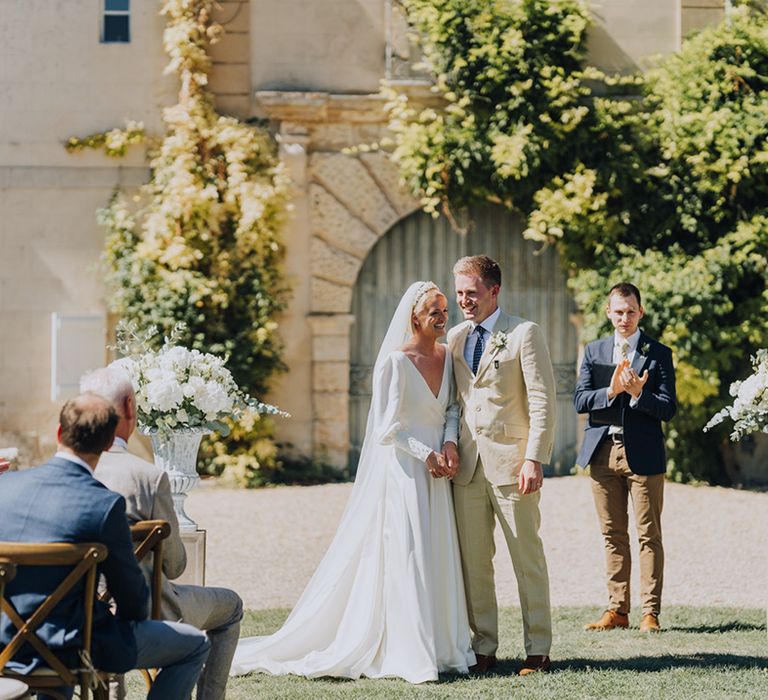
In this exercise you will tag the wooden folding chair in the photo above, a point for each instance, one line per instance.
(84, 559)
(148, 536)
(10, 688)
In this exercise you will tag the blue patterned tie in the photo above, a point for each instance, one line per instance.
(479, 347)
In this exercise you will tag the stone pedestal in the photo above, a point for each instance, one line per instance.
(194, 543)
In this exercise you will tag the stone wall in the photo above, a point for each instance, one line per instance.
(343, 205)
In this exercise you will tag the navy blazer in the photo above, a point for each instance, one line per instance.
(643, 437)
(61, 501)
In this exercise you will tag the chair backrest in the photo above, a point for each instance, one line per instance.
(148, 536)
(7, 574)
(83, 558)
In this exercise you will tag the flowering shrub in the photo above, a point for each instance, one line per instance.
(199, 243)
(749, 411)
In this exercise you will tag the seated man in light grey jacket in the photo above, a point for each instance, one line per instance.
(147, 494)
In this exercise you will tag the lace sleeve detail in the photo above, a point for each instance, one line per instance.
(413, 447)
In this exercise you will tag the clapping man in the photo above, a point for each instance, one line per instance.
(625, 453)
(147, 493)
(61, 501)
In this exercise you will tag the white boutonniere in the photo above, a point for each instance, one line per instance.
(498, 340)
(644, 349)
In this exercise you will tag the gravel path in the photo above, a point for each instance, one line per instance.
(266, 543)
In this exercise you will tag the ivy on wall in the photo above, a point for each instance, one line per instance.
(657, 179)
(200, 242)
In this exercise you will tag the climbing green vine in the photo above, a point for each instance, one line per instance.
(200, 242)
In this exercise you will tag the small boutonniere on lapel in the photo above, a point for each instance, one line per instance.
(498, 341)
(644, 348)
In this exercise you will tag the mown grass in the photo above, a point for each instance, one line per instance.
(702, 653)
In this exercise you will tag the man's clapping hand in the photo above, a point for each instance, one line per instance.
(617, 380)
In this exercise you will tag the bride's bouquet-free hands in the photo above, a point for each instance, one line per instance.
(178, 388)
(749, 410)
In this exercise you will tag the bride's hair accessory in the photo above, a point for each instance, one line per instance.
(421, 290)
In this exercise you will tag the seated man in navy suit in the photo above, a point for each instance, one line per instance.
(624, 448)
(61, 501)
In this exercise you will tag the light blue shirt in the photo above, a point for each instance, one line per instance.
(488, 324)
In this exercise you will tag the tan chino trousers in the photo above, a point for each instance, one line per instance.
(613, 482)
(477, 506)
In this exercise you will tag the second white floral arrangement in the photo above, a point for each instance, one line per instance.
(749, 410)
(181, 389)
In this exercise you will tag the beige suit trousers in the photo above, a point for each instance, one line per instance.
(478, 505)
(613, 482)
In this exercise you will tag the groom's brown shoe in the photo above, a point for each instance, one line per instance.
(650, 623)
(611, 619)
(483, 663)
(534, 664)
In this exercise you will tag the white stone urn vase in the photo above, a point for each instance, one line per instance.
(176, 453)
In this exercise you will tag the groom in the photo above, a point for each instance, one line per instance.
(506, 395)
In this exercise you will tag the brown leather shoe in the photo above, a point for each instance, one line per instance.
(610, 620)
(483, 663)
(534, 664)
(650, 623)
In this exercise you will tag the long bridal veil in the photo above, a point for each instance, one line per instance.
(335, 628)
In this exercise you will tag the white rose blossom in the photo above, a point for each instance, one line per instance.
(749, 410)
(181, 389)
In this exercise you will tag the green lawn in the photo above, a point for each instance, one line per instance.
(702, 653)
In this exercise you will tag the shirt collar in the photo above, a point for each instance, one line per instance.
(74, 458)
(632, 340)
(119, 445)
(489, 322)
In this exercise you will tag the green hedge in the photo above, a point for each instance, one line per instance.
(657, 179)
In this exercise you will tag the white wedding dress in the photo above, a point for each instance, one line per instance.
(388, 598)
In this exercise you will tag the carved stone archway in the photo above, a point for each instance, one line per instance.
(349, 201)
(354, 201)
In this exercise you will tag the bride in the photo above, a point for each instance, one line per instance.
(388, 599)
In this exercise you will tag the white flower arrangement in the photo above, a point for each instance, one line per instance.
(498, 340)
(181, 389)
(749, 410)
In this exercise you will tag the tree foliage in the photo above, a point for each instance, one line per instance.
(657, 179)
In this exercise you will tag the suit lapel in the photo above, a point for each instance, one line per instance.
(605, 350)
(639, 359)
(457, 346)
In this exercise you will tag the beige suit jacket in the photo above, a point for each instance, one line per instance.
(147, 494)
(508, 409)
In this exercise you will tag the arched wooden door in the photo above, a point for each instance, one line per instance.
(419, 247)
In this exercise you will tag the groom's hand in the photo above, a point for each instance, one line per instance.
(531, 477)
(436, 465)
(451, 454)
